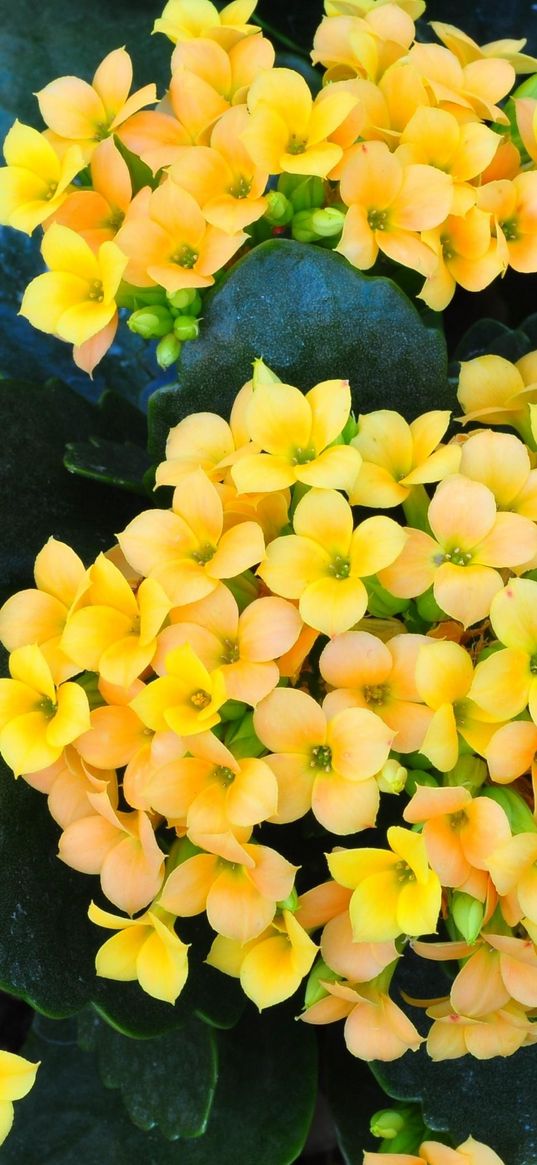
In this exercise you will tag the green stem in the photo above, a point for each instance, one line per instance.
(275, 34)
(416, 507)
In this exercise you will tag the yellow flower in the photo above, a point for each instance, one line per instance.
(37, 720)
(512, 203)
(467, 254)
(497, 392)
(397, 456)
(296, 433)
(35, 182)
(17, 1077)
(75, 299)
(444, 675)
(188, 19)
(394, 892)
(288, 130)
(507, 680)
(270, 967)
(186, 699)
(38, 616)
(146, 949)
(322, 564)
(467, 50)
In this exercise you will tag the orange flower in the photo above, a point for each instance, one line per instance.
(270, 967)
(499, 1033)
(467, 254)
(460, 832)
(38, 616)
(375, 1027)
(97, 214)
(514, 207)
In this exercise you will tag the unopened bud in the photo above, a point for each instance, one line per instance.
(387, 1123)
(302, 227)
(314, 987)
(519, 814)
(186, 328)
(392, 777)
(241, 739)
(380, 602)
(168, 351)
(470, 771)
(428, 609)
(262, 374)
(182, 300)
(290, 903)
(151, 322)
(327, 222)
(279, 210)
(303, 193)
(468, 914)
(418, 777)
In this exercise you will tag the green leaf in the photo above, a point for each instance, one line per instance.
(261, 1111)
(490, 337)
(39, 498)
(343, 1079)
(311, 316)
(167, 1082)
(109, 462)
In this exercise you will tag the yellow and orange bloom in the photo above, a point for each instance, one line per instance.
(38, 616)
(497, 392)
(396, 456)
(471, 542)
(38, 719)
(467, 50)
(501, 462)
(367, 673)
(187, 699)
(375, 1027)
(498, 969)
(512, 749)
(67, 784)
(434, 137)
(323, 563)
(326, 764)
(182, 20)
(296, 435)
(84, 114)
(200, 441)
(352, 43)
(389, 204)
(111, 630)
(358, 962)
(467, 254)
(499, 1033)
(460, 832)
(288, 129)
(75, 299)
(395, 891)
(240, 900)
(513, 207)
(97, 213)
(17, 1077)
(145, 949)
(270, 967)
(508, 678)
(472, 88)
(35, 182)
(513, 870)
(437, 1153)
(244, 646)
(168, 241)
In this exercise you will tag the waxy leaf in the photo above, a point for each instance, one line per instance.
(312, 317)
(109, 462)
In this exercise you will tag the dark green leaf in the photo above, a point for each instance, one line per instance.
(167, 1082)
(353, 1095)
(109, 462)
(311, 316)
(491, 337)
(39, 498)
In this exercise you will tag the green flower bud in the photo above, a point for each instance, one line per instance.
(244, 588)
(279, 210)
(428, 609)
(419, 777)
(392, 777)
(380, 602)
(303, 193)
(327, 222)
(182, 300)
(89, 681)
(186, 328)
(520, 817)
(302, 228)
(387, 1123)
(470, 771)
(289, 903)
(314, 989)
(468, 914)
(241, 739)
(262, 374)
(232, 710)
(168, 350)
(151, 322)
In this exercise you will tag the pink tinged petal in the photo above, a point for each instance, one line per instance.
(408, 721)
(511, 751)
(72, 108)
(236, 908)
(327, 1010)
(360, 743)
(110, 175)
(373, 908)
(129, 878)
(441, 744)
(273, 875)
(479, 988)
(291, 564)
(88, 354)
(344, 806)
(250, 682)
(512, 541)
(267, 629)
(444, 852)
(355, 659)
(295, 776)
(371, 1036)
(357, 962)
(466, 592)
(289, 720)
(185, 892)
(404, 650)
(414, 569)
(462, 513)
(239, 548)
(430, 803)
(520, 979)
(335, 468)
(85, 843)
(509, 860)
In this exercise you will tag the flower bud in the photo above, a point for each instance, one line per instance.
(290, 903)
(314, 988)
(303, 193)
(168, 350)
(419, 777)
(151, 322)
(519, 814)
(428, 609)
(184, 299)
(468, 914)
(89, 681)
(380, 602)
(327, 222)
(386, 1123)
(279, 210)
(186, 328)
(392, 777)
(301, 227)
(470, 771)
(241, 739)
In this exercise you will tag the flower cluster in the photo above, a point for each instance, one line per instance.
(405, 151)
(437, 1153)
(255, 657)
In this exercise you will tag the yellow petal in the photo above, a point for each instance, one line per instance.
(29, 666)
(162, 964)
(118, 956)
(375, 544)
(72, 717)
(333, 605)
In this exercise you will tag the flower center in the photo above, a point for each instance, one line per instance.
(204, 554)
(115, 219)
(533, 665)
(404, 873)
(102, 131)
(321, 758)
(340, 567)
(377, 219)
(222, 773)
(230, 653)
(457, 557)
(96, 292)
(457, 820)
(185, 256)
(47, 707)
(200, 699)
(510, 229)
(51, 190)
(296, 145)
(303, 456)
(448, 250)
(375, 693)
(240, 188)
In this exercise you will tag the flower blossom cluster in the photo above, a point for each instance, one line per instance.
(406, 153)
(256, 657)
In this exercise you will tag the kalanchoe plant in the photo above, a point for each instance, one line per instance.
(287, 721)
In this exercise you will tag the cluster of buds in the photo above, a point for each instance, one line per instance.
(254, 655)
(405, 156)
